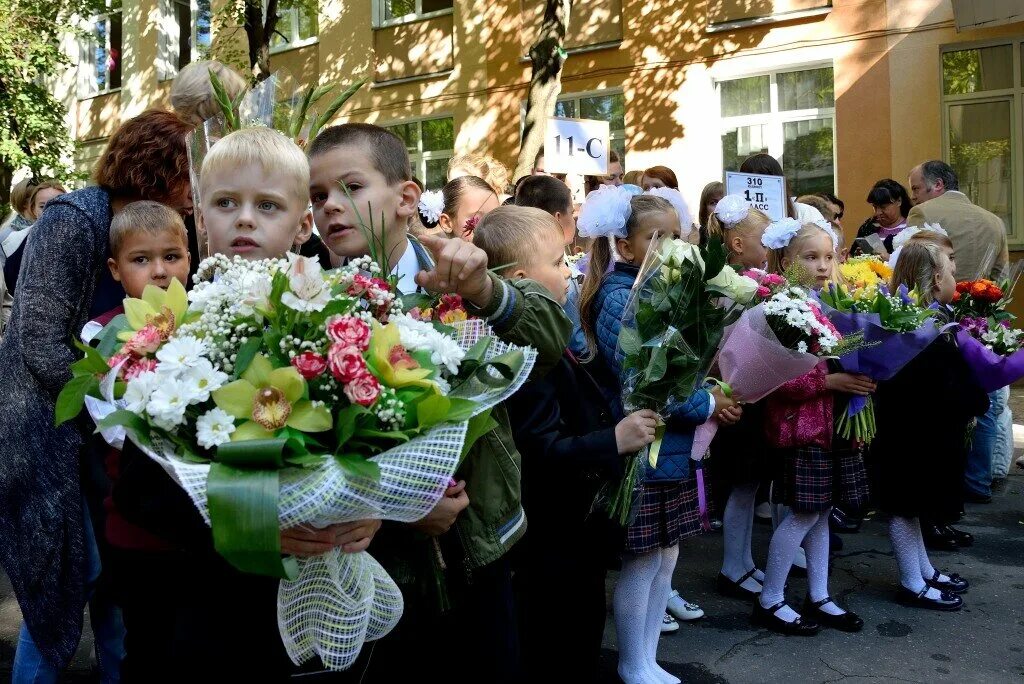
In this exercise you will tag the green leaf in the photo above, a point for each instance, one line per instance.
(432, 410)
(131, 422)
(629, 340)
(107, 342)
(227, 108)
(478, 426)
(417, 301)
(246, 353)
(358, 467)
(395, 435)
(243, 516)
(253, 453)
(345, 428)
(658, 366)
(333, 108)
(460, 409)
(72, 398)
(95, 362)
(309, 418)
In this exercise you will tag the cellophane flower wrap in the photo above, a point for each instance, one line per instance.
(895, 329)
(288, 396)
(683, 299)
(986, 338)
(781, 338)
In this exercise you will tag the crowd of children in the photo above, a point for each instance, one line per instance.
(517, 539)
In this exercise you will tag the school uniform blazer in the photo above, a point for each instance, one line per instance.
(974, 232)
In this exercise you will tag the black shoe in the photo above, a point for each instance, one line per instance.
(766, 618)
(955, 585)
(937, 539)
(962, 538)
(946, 600)
(847, 622)
(975, 498)
(716, 524)
(726, 587)
(841, 522)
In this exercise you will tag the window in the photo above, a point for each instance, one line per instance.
(397, 11)
(610, 107)
(983, 107)
(431, 144)
(184, 35)
(297, 25)
(100, 67)
(789, 115)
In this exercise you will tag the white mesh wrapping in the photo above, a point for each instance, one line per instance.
(339, 601)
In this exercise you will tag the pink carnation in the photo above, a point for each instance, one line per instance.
(363, 390)
(763, 292)
(823, 319)
(380, 284)
(349, 331)
(309, 364)
(145, 341)
(141, 366)
(773, 279)
(346, 363)
(360, 284)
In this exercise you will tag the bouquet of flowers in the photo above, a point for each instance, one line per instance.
(671, 328)
(989, 345)
(285, 396)
(865, 274)
(778, 340)
(895, 330)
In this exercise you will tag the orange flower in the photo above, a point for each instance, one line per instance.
(978, 289)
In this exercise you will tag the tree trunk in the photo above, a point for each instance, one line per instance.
(258, 32)
(546, 58)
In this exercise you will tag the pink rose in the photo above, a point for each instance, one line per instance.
(349, 331)
(360, 284)
(139, 367)
(144, 341)
(763, 292)
(380, 284)
(346, 362)
(772, 279)
(363, 390)
(309, 364)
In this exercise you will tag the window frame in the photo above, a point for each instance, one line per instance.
(291, 14)
(1013, 94)
(613, 134)
(379, 20)
(775, 119)
(169, 69)
(88, 45)
(419, 159)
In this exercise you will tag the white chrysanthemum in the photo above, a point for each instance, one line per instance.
(421, 336)
(180, 353)
(168, 402)
(801, 347)
(214, 428)
(779, 233)
(139, 389)
(202, 379)
(732, 209)
(431, 206)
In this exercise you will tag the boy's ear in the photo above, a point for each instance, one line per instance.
(112, 265)
(409, 194)
(518, 274)
(200, 226)
(305, 229)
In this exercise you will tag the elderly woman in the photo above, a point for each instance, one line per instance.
(49, 551)
(891, 203)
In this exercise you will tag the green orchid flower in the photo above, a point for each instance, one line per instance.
(163, 309)
(268, 399)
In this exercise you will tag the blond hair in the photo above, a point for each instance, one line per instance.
(482, 166)
(807, 231)
(45, 185)
(266, 148)
(192, 93)
(21, 196)
(509, 235)
(145, 216)
(920, 261)
(754, 220)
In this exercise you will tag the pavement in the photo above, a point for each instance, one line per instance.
(981, 643)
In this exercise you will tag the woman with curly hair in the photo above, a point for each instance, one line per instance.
(49, 550)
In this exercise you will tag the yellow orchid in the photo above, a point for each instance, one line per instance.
(163, 309)
(268, 399)
(394, 366)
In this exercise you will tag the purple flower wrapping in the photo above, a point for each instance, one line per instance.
(991, 370)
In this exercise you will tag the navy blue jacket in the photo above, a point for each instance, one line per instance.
(681, 417)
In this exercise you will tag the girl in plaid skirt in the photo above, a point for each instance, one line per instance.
(815, 471)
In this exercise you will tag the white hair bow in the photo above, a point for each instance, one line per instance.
(732, 209)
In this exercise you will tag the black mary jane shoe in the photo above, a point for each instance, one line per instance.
(847, 622)
(955, 585)
(726, 587)
(936, 538)
(840, 521)
(946, 602)
(766, 617)
(962, 538)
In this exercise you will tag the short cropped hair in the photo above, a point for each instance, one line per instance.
(386, 150)
(544, 193)
(145, 216)
(271, 150)
(509, 235)
(192, 92)
(936, 170)
(146, 158)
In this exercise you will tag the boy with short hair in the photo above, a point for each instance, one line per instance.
(373, 165)
(550, 195)
(571, 447)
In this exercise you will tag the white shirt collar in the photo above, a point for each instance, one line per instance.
(406, 269)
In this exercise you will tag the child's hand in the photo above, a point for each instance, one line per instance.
(730, 415)
(459, 267)
(635, 431)
(723, 402)
(438, 521)
(850, 383)
(351, 537)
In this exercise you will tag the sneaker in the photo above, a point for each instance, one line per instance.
(669, 624)
(683, 609)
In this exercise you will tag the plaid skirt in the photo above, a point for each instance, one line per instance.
(667, 513)
(814, 479)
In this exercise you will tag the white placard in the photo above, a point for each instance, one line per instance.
(767, 193)
(576, 146)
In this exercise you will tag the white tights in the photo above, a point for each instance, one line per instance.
(641, 593)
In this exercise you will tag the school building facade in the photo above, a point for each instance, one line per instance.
(843, 92)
